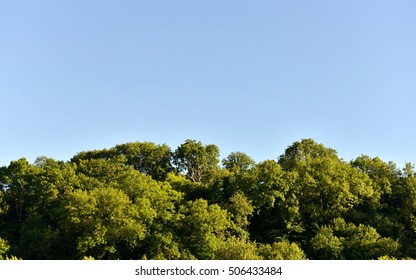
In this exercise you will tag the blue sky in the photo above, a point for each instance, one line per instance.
(250, 76)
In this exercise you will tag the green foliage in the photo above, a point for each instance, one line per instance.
(17, 181)
(234, 248)
(197, 161)
(4, 250)
(3, 205)
(37, 239)
(300, 154)
(140, 200)
(103, 220)
(203, 227)
(148, 158)
(105, 171)
(153, 199)
(4, 247)
(383, 175)
(190, 190)
(326, 245)
(327, 187)
(164, 244)
(342, 240)
(283, 250)
(267, 184)
(238, 163)
(240, 210)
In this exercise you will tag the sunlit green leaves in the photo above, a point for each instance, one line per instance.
(283, 250)
(101, 219)
(203, 227)
(342, 240)
(140, 200)
(197, 161)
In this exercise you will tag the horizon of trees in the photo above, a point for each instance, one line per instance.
(142, 200)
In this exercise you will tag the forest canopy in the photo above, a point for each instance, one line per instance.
(143, 200)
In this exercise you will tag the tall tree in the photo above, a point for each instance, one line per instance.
(274, 195)
(103, 222)
(17, 183)
(381, 213)
(238, 162)
(203, 227)
(148, 157)
(327, 187)
(384, 175)
(405, 193)
(342, 240)
(197, 161)
(282, 250)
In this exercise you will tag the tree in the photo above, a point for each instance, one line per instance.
(238, 162)
(327, 187)
(234, 248)
(16, 181)
(203, 227)
(147, 157)
(154, 200)
(276, 206)
(38, 240)
(141, 201)
(300, 154)
(235, 174)
(283, 250)
(53, 180)
(383, 175)
(381, 213)
(103, 222)
(104, 170)
(103, 154)
(327, 246)
(267, 184)
(156, 203)
(197, 161)
(3, 205)
(4, 248)
(240, 209)
(192, 190)
(405, 208)
(342, 240)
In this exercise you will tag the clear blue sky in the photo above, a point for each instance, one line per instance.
(250, 76)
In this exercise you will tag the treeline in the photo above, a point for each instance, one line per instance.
(143, 200)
